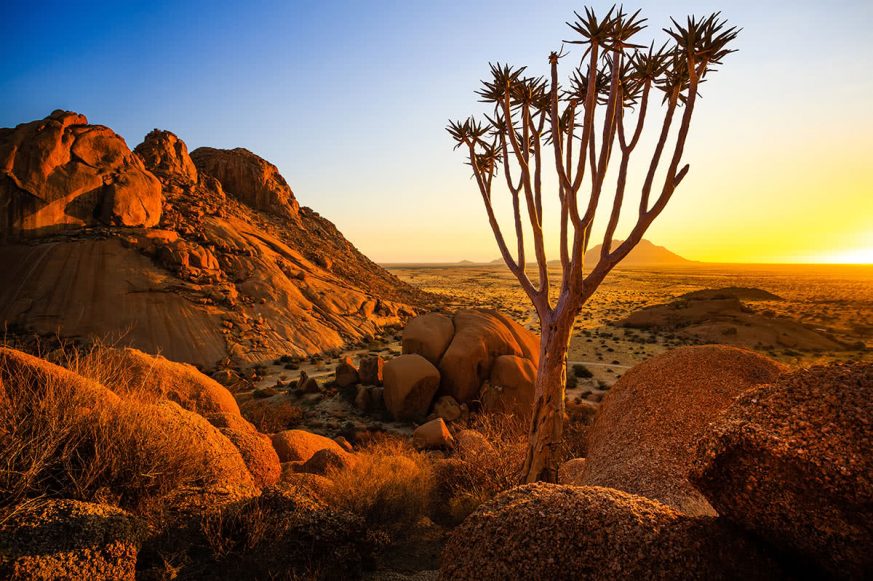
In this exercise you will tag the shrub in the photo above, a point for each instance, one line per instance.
(389, 486)
(477, 474)
(65, 437)
(581, 371)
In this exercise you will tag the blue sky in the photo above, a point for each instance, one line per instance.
(350, 100)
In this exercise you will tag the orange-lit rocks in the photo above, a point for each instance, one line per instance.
(63, 173)
(346, 373)
(791, 462)
(547, 531)
(300, 445)
(410, 384)
(480, 338)
(644, 438)
(165, 154)
(428, 335)
(511, 387)
(250, 178)
(432, 436)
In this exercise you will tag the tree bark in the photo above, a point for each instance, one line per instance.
(547, 422)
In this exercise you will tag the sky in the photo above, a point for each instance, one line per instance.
(350, 100)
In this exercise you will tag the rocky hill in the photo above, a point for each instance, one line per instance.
(644, 254)
(199, 257)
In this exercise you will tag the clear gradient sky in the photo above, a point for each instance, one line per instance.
(350, 99)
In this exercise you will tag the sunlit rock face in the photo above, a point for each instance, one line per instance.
(251, 179)
(196, 263)
(62, 173)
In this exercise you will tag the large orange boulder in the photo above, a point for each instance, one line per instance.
(428, 335)
(644, 439)
(300, 445)
(250, 178)
(61, 172)
(511, 386)
(410, 384)
(21, 370)
(165, 154)
(544, 531)
(791, 462)
(255, 448)
(158, 377)
(481, 336)
(69, 539)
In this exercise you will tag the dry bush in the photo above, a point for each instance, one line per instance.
(475, 475)
(389, 486)
(273, 414)
(59, 441)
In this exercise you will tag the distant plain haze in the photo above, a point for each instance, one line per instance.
(350, 100)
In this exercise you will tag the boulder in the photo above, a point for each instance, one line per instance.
(571, 471)
(371, 369)
(447, 408)
(69, 539)
(410, 384)
(255, 448)
(346, 373)
(546, 531)
(511, 388)
(480, 338)
(219, 461)
(644, 438)
(165, 154)
(251, 179)
(142, 432)
(369, 398)
(791, 462)
(432, 435)
(428, 335)
(61, 173)
(300, 445)
(327, 459)
(158, 377)
(19, 370)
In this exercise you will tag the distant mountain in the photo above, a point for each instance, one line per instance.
(645, 254)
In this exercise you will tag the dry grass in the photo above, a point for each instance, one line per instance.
(60, 441)
(477, 475)
(389, 487)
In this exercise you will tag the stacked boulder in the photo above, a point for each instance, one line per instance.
(644, 438)
(791, 463)
(476, 357)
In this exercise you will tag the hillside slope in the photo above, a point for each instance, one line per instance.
(147, 245)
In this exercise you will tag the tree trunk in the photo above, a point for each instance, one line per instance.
(547, 422)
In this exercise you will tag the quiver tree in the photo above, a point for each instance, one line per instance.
(578, 127)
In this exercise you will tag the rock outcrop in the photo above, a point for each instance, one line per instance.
(480, 337)
(543, 531)
(469, 350)
(200, 275)
(644, 439)
(251, 179)
(791, 462)
(68, 539)
(62, 173)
